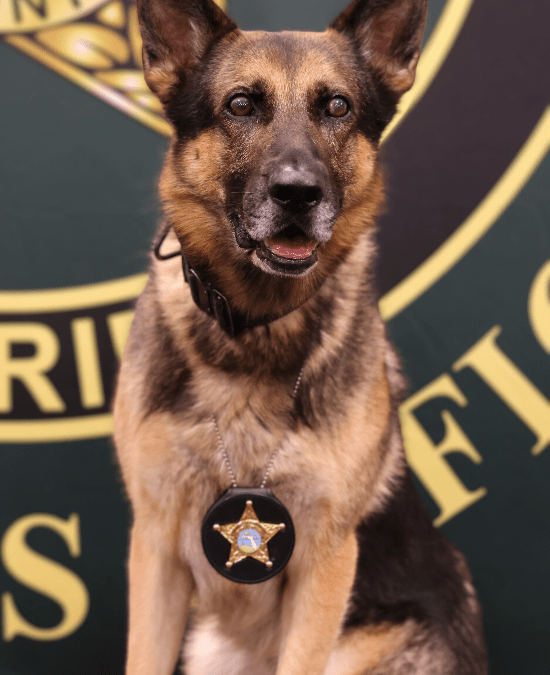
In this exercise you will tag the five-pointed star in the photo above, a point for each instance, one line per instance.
(252, 530)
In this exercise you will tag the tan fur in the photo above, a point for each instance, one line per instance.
(160, 79)
(367, 648)
(202, 160)
(315, 599)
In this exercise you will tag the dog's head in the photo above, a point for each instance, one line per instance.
(272, 172)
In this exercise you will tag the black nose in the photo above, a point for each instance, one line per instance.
(295, 190)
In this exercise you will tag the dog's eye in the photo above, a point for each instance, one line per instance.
(337, 107)
(241, 105)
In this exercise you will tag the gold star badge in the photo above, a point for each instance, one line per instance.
(249, 537)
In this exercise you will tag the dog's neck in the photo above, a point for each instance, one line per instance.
(208, 298)
(278, 347)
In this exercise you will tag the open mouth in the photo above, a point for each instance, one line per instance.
(289, 252)
(288, 256)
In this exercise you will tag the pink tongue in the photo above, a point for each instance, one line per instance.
(286, 251)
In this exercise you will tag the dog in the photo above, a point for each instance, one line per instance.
(257, 364)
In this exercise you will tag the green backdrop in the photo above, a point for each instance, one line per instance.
(464, 274)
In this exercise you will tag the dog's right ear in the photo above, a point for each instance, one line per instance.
(176, 36)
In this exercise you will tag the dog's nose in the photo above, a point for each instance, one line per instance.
(295, 190)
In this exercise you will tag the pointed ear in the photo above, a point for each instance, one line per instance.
(389, 35)
(176, 36)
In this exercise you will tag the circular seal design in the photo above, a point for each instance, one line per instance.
(249, 541)
(248, 535)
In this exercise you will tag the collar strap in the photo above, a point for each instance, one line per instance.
(212, 302)
(206, 297)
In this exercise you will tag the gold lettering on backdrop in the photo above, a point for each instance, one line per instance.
(427, 459)
(43, 575)
(498, 371)
(18, 16)
(119, 327)
(87, 362)
(30, 370)
(539, 306)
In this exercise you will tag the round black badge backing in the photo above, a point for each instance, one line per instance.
(230, 508)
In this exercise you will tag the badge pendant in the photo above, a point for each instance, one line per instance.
(248, 535)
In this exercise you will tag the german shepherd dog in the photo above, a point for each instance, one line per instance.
(273, 357)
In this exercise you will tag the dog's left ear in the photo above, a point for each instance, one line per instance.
(389, 35)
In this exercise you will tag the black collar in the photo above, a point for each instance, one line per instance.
(206, 297)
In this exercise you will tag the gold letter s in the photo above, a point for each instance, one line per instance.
(43, 575)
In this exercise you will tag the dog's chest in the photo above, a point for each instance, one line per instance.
(245, 430)
(248, 451)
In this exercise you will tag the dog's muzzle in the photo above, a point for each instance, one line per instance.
(286, 218)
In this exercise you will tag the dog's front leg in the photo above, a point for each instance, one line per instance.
(313, 607)
(160, 592)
